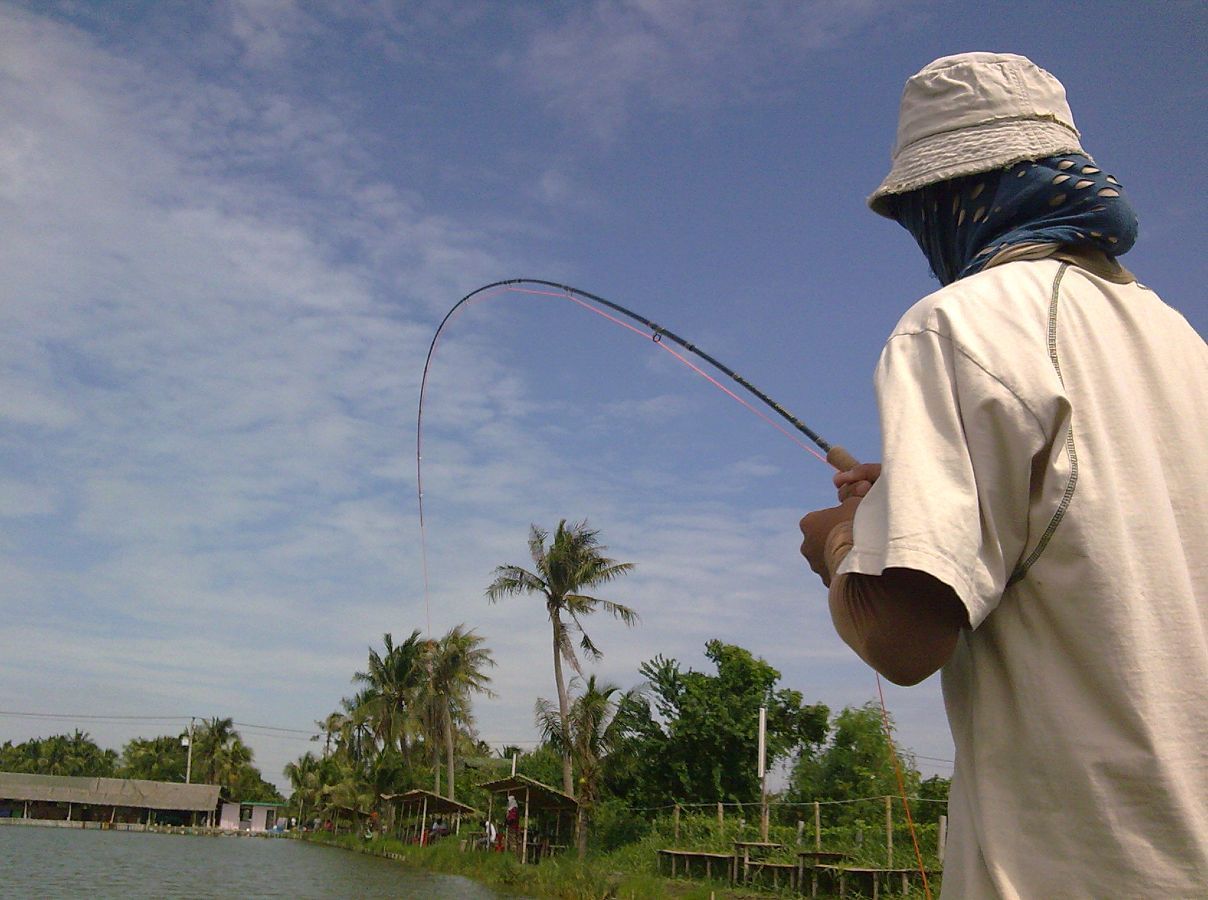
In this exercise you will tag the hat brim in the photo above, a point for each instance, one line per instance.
(967, 151)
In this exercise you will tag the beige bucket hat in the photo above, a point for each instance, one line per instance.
(975, 112)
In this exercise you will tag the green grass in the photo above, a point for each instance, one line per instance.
(629, 871)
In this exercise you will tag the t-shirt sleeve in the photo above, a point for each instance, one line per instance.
(953, 496)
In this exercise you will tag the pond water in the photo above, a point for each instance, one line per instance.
(63, 862)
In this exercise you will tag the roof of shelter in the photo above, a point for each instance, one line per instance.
(436, 803)
(541, 796)
(130, 792)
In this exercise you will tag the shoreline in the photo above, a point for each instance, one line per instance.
(137, 827)
(558, 878)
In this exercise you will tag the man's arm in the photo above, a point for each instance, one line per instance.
(904, 623)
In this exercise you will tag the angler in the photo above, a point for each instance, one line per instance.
(1037, 526)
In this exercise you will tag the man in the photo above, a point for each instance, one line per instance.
(1039, 528)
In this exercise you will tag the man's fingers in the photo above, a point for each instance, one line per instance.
(856, 489)
(869, 472)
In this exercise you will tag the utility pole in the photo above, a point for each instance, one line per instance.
(763, 773)
(189, 758)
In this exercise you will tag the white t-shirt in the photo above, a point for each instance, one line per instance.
(1046, 455)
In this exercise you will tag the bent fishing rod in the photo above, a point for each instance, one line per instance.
(836, 455)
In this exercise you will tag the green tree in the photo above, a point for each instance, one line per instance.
(694, 736)
(305, 778)
(160, 758)
(588, 734)
(392, 683)
(572, 562)
(221, 757)
(456, 665)
(856, 763)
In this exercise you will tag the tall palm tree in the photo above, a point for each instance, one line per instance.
(572, 562)
(220, 753)
(305, 778)
(208, 743)
(588, 734)
(392, 682)
(457, 664)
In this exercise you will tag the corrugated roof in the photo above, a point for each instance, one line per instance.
(541, 796)
(109, 792)
(436, 803)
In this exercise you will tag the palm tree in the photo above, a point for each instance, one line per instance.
(305, 778)
(574, 560)
(456, 665)
(392, 682)
(588, 734)
(220, 753)
(155, 759)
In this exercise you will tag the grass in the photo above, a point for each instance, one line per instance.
(628, 871)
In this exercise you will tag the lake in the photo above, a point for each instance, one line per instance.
(62, 862)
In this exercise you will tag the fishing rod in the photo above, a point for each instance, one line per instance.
(836, 455)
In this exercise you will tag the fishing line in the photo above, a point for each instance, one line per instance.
(834, 455)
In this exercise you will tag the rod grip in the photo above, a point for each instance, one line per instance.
(839, 458)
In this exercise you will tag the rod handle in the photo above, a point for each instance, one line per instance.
(839, 458)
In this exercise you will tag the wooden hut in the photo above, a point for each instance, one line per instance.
(534, 797)
(415, 807)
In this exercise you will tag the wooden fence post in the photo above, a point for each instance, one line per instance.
(942, 839)
(817, 825)
(889, 831)
(721, 817)
(800, 830)
(675, 820)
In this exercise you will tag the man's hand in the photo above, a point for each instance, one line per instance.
(858, 481)
(816, 528)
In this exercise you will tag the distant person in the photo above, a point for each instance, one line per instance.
(490, 833)
(511, 821)
(1038, 526)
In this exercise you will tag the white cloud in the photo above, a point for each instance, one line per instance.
(208, 372)
(609, 56)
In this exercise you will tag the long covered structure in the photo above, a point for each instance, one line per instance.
(531, 797)
(105, 800)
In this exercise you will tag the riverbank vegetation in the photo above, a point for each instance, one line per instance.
(219, 757)
(670, 763)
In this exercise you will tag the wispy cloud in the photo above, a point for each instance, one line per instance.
(214, 315)
(609, 56)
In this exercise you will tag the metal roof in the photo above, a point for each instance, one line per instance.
(541, 796)
(436, 803)
(130, 792)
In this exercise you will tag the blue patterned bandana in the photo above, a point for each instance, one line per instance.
(962, 223)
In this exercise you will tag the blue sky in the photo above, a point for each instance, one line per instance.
(228, 231)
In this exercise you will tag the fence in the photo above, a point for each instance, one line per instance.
(870, 831)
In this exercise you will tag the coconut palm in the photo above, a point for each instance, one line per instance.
(572, 562)
(155, 759)
(306, 779)
(456, 664)
(220, 753)
(587, 734)
(392, 682)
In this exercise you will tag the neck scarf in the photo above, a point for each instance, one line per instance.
(962, 223)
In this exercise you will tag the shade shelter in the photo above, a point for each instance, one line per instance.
(78, 799)
(416, 806)
(532, 796)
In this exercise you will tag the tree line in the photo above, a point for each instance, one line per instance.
(219, 757)
(683, 736)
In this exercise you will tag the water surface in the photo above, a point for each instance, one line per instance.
(68, 862)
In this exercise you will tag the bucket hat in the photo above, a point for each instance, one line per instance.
(975, 112)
